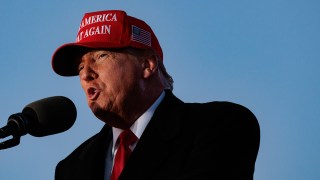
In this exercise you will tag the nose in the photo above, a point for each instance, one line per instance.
(87, 73)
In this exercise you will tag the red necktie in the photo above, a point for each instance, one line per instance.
(125, 139)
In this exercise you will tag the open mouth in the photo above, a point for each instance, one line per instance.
(92, 93)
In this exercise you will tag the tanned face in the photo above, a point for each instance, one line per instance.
(112, 84)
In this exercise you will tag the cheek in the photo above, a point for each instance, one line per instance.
(113, 76)
(128, 78)
(120, 77)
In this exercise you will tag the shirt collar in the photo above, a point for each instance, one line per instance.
(140, 124)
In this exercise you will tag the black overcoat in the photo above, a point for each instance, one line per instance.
(183, 141)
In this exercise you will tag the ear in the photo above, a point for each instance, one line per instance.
(150, 66)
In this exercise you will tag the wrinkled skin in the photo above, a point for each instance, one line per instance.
(119, 85)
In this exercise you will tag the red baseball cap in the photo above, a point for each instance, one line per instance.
(109, 29)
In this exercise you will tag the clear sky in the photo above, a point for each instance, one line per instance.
(264, 55)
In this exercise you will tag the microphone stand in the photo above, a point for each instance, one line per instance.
(10, 143)
(16, 127)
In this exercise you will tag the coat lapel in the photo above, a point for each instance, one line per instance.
(92, 158)
(153, 146)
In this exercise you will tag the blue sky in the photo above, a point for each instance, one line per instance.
(261, 54)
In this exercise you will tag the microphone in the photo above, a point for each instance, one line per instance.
(44, 117)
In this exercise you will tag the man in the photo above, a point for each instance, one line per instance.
(120, 65)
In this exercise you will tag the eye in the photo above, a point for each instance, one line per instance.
(103, 55)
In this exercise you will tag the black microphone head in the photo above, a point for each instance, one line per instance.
(50, 115)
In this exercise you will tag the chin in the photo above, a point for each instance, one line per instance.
(95, 108)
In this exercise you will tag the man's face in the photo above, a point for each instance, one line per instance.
(111, 82)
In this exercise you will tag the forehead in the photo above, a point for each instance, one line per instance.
(110, 53)
(94, 52)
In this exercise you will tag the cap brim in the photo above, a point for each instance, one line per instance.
(64, 60)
